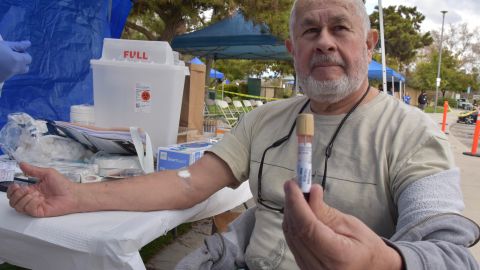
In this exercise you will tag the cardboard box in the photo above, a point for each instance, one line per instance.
(193, 98)
(180, 155)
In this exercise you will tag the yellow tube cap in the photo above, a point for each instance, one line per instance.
(305, 124)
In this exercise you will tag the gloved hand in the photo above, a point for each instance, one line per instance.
(13, 58)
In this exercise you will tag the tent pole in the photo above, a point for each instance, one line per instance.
(393, 86)
(216, 80)
(297, 88)
(382, 41)
(207, 74)
(402, 87)
(400, 90)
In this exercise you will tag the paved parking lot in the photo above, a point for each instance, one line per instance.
(461, 138)
(463, 133)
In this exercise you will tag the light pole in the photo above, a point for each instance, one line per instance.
(439, 61)
(382, 44)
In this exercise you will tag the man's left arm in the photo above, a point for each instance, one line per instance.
(424, 183)
(431, 233)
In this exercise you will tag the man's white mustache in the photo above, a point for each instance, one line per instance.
(322, 59)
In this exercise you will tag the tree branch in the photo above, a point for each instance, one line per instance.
(141, 29)
(172, 29)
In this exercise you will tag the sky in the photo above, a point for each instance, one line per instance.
(459, 11)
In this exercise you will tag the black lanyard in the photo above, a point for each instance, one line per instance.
(328, 152)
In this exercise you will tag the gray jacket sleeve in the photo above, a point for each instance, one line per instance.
(223, 251)
(431, 233)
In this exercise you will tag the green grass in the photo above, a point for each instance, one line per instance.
(147, 252)
(432, 109)
(7, 266)
(152, 248)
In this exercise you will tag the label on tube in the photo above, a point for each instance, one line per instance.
(304, 166)
(304, 163)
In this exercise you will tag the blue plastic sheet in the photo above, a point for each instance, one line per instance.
(65, 35)
(119, 15)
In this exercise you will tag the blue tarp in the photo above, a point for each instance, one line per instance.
(118, 16)
(232, 38)
(214, 74)
(375, 72)
(65, 35)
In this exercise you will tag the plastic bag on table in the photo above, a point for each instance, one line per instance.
(26, 139)
(117, 166)
(75, 171)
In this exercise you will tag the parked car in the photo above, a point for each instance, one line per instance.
(463, 103)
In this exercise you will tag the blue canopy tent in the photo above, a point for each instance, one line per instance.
(232, 38)
(214, 74)
(396, 79)
(375, 72)
(237, 38)
(65, 35)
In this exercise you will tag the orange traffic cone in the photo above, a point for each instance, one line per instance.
(445, 111)
(476, 134)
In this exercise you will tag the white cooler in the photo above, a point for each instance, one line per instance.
(139, 83)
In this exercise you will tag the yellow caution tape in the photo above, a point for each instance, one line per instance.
(450, 108)
(248, 96)
(465, 114)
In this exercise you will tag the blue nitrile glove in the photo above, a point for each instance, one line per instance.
(13, 58)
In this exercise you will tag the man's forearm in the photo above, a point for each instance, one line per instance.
(157, 191)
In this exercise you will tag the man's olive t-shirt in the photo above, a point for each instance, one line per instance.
(382, 147)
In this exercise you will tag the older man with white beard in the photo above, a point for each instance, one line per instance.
(390, 198)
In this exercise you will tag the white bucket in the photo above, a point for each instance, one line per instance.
(142, 94)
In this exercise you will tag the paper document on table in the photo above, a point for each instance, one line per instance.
(7, 170)
(112, 141)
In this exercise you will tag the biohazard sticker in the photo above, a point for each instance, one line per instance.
(143, 98)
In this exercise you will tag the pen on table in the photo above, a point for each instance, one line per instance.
(28, 180)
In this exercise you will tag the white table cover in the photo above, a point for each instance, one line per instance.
(99, 240)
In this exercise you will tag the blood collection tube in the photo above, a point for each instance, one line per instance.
(304, 162)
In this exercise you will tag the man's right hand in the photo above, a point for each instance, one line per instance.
(53, 195)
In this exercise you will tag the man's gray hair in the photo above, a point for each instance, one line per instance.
(360, 10)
